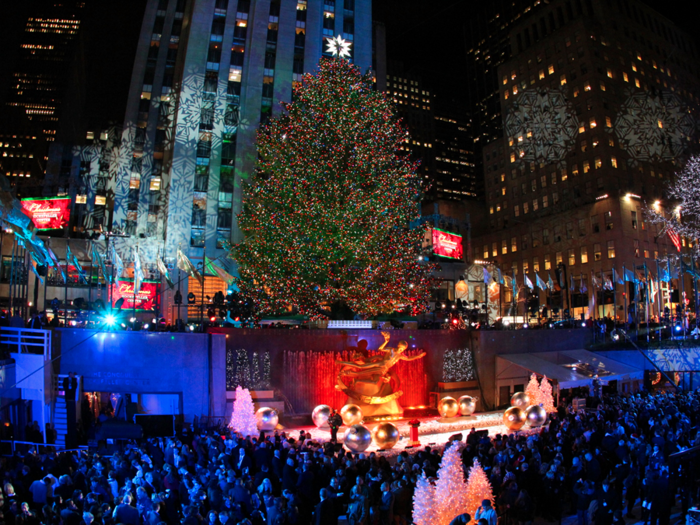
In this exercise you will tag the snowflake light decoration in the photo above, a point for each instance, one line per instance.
(654, 126)
(542, 125)
(339, 47)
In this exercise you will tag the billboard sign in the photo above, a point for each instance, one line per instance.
(50, 213)
(145, 300)
(446, 244)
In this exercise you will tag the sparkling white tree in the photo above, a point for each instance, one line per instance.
(683, 218)
(243, 416)
(478, 489)
(424, 508)
(546, 397)
(533, 390)
(450, 489)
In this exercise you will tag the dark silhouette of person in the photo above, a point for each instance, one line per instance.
(334, 421)
(70, 385)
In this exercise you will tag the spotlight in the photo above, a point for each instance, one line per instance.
(145, 326)
(615, 335)
(154, 321)
(212, 319)
(191, 327)
(110, 320)
(525, 326)
(678, 328)
(132, 320)
(455, 321)
(506, 322)
(583, 324)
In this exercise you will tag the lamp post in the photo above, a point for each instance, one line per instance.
(562, 268)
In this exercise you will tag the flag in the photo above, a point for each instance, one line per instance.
(164, 272)
(607, 283)
(32, 265)
(70, 258)
(630, 277)
(500, 276)
(528, 283)
(508, 281)
(217, 270)
(186, 266)
(674, 270)
(663, 272)
(117, 264)
(138, 271)
(487, 276)
(572, 283)
(96, 257)
(653, 287)
(550, 283)
(675, 239)
(617, 278)
(595, 281)
(582, 287)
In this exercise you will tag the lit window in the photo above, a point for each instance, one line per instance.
(582, 128)
(155, 184)
(660, 124)
(636, 82)
(504, 247)
(608, 122)
(602, 86)
(494, 249)
(80, 199)
(572, 257)
(516, 210)
(562, 80)
(587, 86)
(515, 90)
(576, 92)
(234, 74)
(597, 254)
(486, 251)
(100, 200)
(513, 244)
(584, 255)
(611, 249)
(547, 262)
(613, 162)
(550, 70)
(610, 73)
(586, 166)
(598, 163)
(634, 67)
(505, 79)
(545, 201)
(625, 77)
(541, 74)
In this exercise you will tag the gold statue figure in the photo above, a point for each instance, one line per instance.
(370, 379)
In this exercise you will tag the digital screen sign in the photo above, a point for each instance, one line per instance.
(446, 244)
(51, 213)
(145, 299)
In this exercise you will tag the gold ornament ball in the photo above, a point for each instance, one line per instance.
(448, 407)
(467, 405)
(357, 438)
(514, 418)
(536, 416)
(520, 399)
(385, 435)
(320, 415)
(266, 418)
(351, 414)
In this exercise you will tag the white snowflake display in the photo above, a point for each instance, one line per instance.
(654, 127)
(541, 125)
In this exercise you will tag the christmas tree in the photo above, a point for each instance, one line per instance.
(326, 218)
(533, 390)
(546, 398)
(450, 489)
(478, 489)
(243, 416)
(424, 502)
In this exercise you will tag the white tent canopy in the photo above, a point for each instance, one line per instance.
(569, 368)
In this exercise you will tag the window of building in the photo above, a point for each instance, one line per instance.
(547, 262)
(598, 163)
(494, 249)
(611, 249)
(575, 91)
(608, 220)
(513, 244)
(636, 248)
(610, 73)
(572, 257)
(562, 80)
(558, 258)
(584, 254)
(625, 77)
(545, 236)
(586, 166)
(550, 69)
(587, 86)
(543, 181)
(535, 204)
(595, 224)
(526, 208)
(613, 162)
(545, 201)
(516, 210)
(524, 242)
(584, 146)
(504, 247)
(634, 219)
(526, 267)
(100, 200)
(535, 264)
(597, 254)
(581, 227)
(541, 75)
(155, 184)
(81, 199)
(574, 170)
(486, 251)
(646, 254)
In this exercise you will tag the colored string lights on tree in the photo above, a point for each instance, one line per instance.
(243, 416)
(326, 219)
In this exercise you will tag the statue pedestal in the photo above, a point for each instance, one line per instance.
(367, 388)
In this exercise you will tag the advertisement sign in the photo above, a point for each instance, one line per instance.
(49, 213)
(446, 244)
(145, 299)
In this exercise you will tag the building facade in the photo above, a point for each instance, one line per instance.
(599, 111)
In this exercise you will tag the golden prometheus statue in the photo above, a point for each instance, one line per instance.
(369, 381)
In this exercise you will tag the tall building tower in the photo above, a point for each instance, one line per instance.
(36, 89)
(207, 73)
(599, 110)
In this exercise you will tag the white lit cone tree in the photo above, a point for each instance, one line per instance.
(424, 511)
(533, 390)
(478, 489)
(243, 416)
(450, 489)
(546, 397)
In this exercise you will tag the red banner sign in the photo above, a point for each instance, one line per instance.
(447, 244)
(145, 299)
(48, 214)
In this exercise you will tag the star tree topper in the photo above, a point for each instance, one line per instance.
(339, 47)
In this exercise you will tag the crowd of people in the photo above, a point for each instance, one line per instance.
(604, 464)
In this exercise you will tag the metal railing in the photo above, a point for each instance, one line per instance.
(27, 340)
(31, 446)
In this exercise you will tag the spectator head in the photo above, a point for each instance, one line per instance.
(88, 518)
(213, 516)
(324, 493)
(486, 503)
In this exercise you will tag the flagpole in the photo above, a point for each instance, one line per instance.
(65, 290)
(204, 276)
(646, 297)
(681, 296)
(625, 290)
(614, 315)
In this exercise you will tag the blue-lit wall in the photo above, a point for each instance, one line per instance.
(191, 366)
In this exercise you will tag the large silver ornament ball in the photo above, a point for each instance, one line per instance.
(536, 416)
(351, 414)
(467, 405)
(520, 399)
(514, 418)
(448, 407)
(357, 438)
(266, 418)
(320, 415)
(385, 435)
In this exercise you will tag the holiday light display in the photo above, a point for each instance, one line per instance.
(546, 398)
(458, 365)
(424, 502)
(478, 489)
(243, 419)
(326, 220)
(533, 390)
(450, 490)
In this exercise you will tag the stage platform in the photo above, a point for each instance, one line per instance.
(433, 431)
